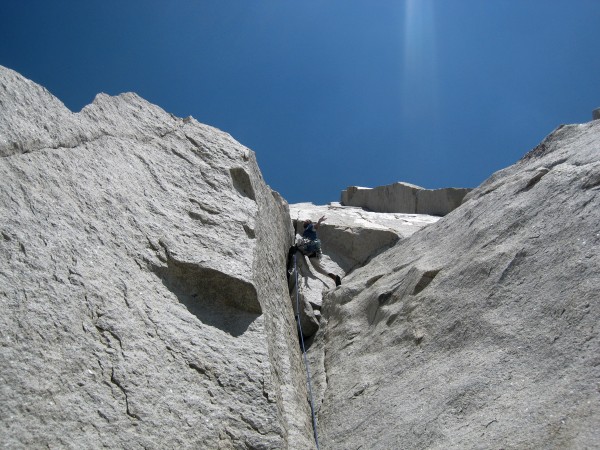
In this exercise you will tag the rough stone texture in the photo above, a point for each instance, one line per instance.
(308, 297)
(481, 330)
(404, 198)
(352, 235)
(349, 236)
(596, 114)
(144, 301)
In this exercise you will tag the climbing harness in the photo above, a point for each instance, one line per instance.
(309, 246)
(312, 407)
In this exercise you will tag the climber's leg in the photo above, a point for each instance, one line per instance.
(315, 260)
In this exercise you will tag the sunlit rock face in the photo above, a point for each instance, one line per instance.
(142, 283)
(350, 236)
(481, 330)
(404, 198)
(145, 302)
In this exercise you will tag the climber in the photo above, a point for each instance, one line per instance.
(310, 246)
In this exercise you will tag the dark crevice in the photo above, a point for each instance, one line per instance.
(391, 319)
(249, 232)
(114, 380)
(181, 155)
(371, 281)
(385, 298)
(425, 280)
(202, 218)
(193, 142)
(539, 173)
(242, 183)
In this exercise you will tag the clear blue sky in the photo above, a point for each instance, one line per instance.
(330, 93)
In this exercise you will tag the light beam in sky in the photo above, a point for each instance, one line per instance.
(419, 82)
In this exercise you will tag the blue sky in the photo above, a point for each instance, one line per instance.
(330, 93)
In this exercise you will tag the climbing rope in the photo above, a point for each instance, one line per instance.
(312, 407)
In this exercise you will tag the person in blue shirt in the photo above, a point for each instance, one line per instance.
(310, 229)
(312, 243)
(311, 247)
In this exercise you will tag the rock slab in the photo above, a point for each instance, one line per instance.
(404, 198)
(350, 236)
(142, 287)
(481, 330)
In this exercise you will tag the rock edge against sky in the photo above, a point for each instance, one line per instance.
(142, 279)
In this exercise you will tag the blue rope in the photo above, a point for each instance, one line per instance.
(312, 408)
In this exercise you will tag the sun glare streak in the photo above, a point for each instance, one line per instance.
(419, 80)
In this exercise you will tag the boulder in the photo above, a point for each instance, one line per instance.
(404, 198)
(479, 331)
(144, 300)
(596, 114)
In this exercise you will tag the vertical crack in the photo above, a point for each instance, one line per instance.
(114, 380)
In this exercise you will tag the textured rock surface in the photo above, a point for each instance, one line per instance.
(349, 236)
(404, 198)
(596, 114)
(481, 330)
(144, 304)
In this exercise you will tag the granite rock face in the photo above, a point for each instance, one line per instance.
(145, 303)
(144, 300)
(481, 330)
(404, 198)
(350, 237)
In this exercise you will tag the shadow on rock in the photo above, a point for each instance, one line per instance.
(216, 299)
